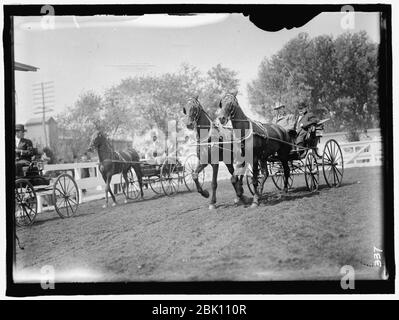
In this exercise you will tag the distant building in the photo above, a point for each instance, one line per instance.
(36, 131)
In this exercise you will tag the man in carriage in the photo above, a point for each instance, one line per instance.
(23, 149)
(283, 118)
(304, 124)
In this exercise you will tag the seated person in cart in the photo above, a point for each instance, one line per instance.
(284, 118)
(306, 121)
(156, 152)
(23, 149)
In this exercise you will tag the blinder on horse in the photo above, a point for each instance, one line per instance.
(193, 112)
(230, 111)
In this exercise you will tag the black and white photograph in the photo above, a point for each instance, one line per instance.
(202, 144)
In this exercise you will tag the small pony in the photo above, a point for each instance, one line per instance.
(113, 162)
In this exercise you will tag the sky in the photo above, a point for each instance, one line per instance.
(95, 53)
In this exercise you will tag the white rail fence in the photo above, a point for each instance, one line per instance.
(362, 153)
(356, 154)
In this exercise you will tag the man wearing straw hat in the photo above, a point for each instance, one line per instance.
(284, 119)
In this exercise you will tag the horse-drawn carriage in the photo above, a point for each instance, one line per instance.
(307, 161)
(166, 177)
(60, 191)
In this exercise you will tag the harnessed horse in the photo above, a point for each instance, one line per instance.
(113, 162)
(266, 140)
(200, 121)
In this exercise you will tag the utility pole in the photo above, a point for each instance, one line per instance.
(43, 99)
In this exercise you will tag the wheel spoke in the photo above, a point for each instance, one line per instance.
(69, 205)
(62, 187)
(338, 171)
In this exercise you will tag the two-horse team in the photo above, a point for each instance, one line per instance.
(247, 143)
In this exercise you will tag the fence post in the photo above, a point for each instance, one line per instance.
(77, 173)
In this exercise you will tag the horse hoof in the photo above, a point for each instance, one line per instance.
(237, 200)
(114, 204)
(205, 193)
(212, 207)
(125, 201)
(254, 205)
(104, 206)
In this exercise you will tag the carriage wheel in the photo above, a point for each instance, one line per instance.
(134, 187)
(170, 178)
(333, 163)
(190, 165)
(155, 184)
(311, 172)
(25, 203)
(250, 185)
(65, 196)
(277, 173)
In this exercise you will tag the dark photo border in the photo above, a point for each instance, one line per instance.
(267, 17)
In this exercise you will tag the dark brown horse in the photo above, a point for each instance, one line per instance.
(113, 162)
(264, 139)
(213, 145)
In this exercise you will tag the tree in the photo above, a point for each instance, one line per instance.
(218, 81)
(77, 123)
(337, 78)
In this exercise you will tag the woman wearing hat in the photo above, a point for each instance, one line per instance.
(23, 148)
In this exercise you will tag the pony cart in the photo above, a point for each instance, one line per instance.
(308, 162)
(61, 192)
(165, 178)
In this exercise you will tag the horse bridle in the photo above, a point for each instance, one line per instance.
(233, 108)
(195, 115)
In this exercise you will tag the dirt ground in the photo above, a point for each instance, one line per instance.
(300, 235)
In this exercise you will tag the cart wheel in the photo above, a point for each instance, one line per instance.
(134, 187)
(190, 165)
(249, 181)
(155, 184)
(311, 172)
(333, 163)
(25, 203)
(65, 196)
(169, 176)
(276, 171)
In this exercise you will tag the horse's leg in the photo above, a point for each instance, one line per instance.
(286, 173)
(139, 175)
(255, 172)
(233, 180)
(236, 180)
(200, 167)
(215, 170)
(124, 173)
(108, 189)
(265, 171)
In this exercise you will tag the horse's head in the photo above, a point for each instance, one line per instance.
(96, 140)
(228, 106)
(192, 110)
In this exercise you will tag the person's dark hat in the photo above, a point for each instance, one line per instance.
(302, 105)
(20, 127)
(278, 106)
